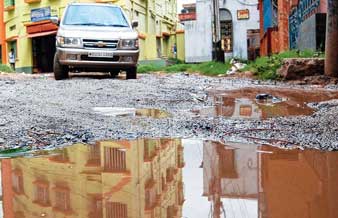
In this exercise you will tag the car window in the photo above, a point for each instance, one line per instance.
(94, 16)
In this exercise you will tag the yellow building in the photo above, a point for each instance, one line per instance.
(111, 179)
(34, 42)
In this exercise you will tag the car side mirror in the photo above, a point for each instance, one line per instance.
(54, 20)
(134, 24)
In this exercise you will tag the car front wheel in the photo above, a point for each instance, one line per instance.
(60, 72)
(132, 73)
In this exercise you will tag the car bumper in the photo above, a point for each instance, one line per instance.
(80, 58)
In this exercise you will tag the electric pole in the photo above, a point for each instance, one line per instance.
(331, 47)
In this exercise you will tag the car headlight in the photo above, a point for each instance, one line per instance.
(129, 44)
(73, 42)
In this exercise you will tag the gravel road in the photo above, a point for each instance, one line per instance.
(39, 112)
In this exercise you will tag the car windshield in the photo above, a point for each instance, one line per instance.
(92, 15)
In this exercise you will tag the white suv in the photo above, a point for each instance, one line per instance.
(95, 37)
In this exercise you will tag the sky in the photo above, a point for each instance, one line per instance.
(197, 205)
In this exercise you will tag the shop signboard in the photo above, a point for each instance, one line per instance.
(243, 14)
(39, 14)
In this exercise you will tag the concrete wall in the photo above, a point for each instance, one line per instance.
(307, 34)
(312, 33)
(240, 27)
(198, 34)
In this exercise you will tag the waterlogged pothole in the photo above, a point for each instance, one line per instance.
(130, 112)
(264, 103)
(174, 177)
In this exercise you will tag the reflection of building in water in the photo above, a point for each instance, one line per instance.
(298, 184)
(229, 171)
(112, 179)
(154, 113)
(236, 108)
(286, 183)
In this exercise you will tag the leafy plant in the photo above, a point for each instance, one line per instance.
(207, 68)
(5, 68)
(265, 68)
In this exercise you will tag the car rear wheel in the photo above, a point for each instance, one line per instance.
(60, 72)
(132, 73)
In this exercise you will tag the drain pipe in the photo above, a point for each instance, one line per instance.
(331, 47)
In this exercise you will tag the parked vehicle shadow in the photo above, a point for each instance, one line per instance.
(97, 75)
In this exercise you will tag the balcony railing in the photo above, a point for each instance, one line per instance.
(187, 16)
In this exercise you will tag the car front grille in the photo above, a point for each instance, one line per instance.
(97, 44)
(86, 58)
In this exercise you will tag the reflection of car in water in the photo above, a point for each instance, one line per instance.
(96, 37)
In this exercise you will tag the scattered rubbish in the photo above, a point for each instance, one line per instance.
(268, 99)
(263, 96)
(199, 98)
(235, 66)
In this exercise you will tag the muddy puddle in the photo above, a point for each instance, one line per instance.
(131, 112)
(170, 178)
(263, 103)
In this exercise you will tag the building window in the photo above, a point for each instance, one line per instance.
(114, 159)
(270, 10)
(274, 4)
(9, 3)
(19, 214)
(226, 30)
(170, 172)
(245, 110)
(150, 150)
(116, 210)
(150, 198)
(172, 211)
(96, 207)
(227, 164)
(94, 155)
(17, 183)
(180, 194)
(180, 157)
(13, 27)
(41, 193)
(163, 183)
(62, 199)
(62, 157)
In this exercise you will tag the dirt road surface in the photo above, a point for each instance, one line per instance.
(39, 112)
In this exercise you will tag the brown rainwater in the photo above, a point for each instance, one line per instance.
(242, 103)
(171, 178)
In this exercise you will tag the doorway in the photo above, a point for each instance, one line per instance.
(226, 29)
(165, 46)
(43, 53)
(253, 41)
(158, 47)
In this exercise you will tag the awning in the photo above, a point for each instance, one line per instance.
(32, 35)
(12, 38)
